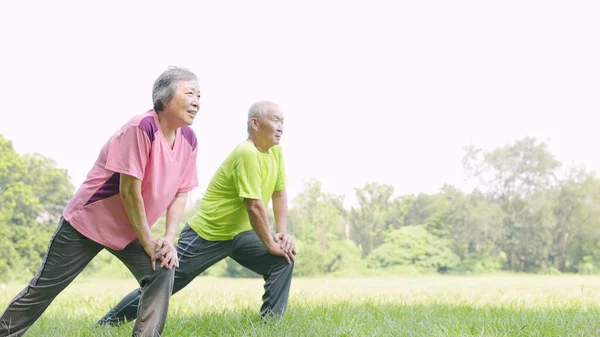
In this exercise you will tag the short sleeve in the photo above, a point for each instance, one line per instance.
(128, 152)
(281, 174)
(190, 175)
(246, 174)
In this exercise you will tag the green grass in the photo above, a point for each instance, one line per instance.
(394, 306)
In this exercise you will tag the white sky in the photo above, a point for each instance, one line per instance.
(384, 91)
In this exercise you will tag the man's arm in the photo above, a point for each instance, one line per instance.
(280, 212)
(130, 190)
(260, 223)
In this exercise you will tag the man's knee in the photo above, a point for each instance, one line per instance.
(285, 267)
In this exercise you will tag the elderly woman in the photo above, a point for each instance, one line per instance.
(145, 168)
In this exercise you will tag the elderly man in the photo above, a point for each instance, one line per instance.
(232, 220)
(145, 168)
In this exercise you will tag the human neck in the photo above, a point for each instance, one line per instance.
(260, 147)
(167, 128)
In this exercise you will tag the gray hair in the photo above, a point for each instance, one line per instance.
(165, 85)
(258, 109)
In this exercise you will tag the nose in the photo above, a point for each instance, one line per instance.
(196, 103)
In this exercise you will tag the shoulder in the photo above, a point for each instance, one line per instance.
(190, 136)
(277, 151)
(144, 123)
(245, 153)
(244, 149)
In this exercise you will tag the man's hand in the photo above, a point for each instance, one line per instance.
(286, 243)
(276, 249)
(168, 253)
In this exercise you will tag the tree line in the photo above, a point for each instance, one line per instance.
(527, 213)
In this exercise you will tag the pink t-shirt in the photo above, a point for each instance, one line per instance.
(138, 149)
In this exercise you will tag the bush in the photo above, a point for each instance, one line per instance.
(340, 257)
(587, 266)
(413, 245)
(481, 263)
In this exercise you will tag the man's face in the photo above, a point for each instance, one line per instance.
(186, 102)
(270, 127)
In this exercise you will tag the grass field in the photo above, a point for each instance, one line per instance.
(395, 306)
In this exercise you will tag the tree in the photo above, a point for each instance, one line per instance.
(50, 184)
(317, 217)
(33, 193)
(475, 226)
(377, 213)
(518, 170)
(577, 212)
(539, 208)
(318, 222)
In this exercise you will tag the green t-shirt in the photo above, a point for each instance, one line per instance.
(246, 173)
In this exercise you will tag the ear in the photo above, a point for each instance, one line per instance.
(254, 123)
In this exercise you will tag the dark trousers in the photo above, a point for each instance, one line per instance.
(68, 253)
(196, 255)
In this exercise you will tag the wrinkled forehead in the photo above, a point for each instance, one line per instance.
(191, 84)
(274, 111)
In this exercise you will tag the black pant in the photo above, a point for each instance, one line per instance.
(196, 255)
(68, 253)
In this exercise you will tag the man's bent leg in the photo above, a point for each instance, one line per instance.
(68, 254)
(251, 253)
(195, 256)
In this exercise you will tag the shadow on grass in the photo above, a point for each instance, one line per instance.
(354, 319)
